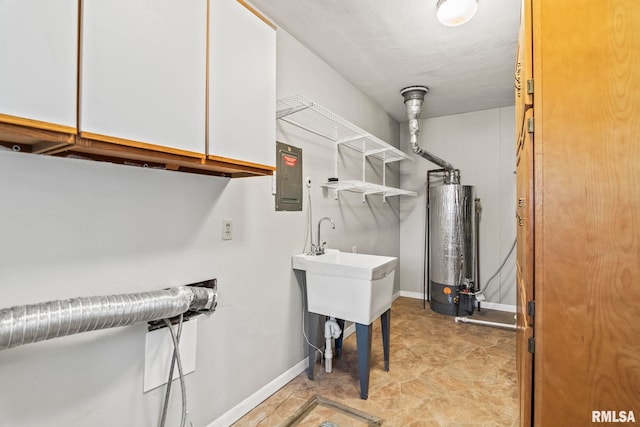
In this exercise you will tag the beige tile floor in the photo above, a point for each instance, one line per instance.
(441, 374)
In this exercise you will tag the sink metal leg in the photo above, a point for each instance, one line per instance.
(315, 322)
(338, 341)
(385, 320)
(363, 341)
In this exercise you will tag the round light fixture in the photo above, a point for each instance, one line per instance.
(453, 13)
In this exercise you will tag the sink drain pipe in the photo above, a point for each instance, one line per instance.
(331, 330)
(26, 324)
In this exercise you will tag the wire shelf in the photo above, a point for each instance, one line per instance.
(367, 188)
(306, 114)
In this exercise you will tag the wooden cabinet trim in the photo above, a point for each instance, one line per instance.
(31, 139)
(241, 163)
(104, 148)
(256, 13)
(207, 79)
(138, 144)
(37, 124)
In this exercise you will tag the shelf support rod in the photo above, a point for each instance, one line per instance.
(364, 169)
(376, 151)
(336, 155)
(308, 129)
(350, 139)
(384, 175)
(291, 110)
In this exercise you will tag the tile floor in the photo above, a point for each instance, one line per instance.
(441, 374)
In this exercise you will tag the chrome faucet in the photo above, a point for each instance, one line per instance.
(318, 249)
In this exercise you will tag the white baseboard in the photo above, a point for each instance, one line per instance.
(411, 294)
(484, 304)
(243, 408)
(351, 329)
(497, 306)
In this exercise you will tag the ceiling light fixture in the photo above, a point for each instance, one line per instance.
(453, 13)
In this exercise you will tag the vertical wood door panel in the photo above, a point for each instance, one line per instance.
(524, 269)
(587, 221)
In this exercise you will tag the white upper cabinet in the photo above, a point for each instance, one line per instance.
(38, 52)
(242, 96)
(143, 74)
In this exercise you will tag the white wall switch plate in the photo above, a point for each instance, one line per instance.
(227, 229)
(273, 183)
(159, 351)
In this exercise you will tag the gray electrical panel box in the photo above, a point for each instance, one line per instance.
(288, 178)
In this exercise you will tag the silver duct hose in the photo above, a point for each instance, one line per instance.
(413, 99)
(38, 322)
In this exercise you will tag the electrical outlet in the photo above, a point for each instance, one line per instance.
(227, 229)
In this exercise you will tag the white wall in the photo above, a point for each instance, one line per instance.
(482, 145)
(77, 228)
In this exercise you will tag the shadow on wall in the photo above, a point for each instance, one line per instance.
(26, 368)
(84, 222)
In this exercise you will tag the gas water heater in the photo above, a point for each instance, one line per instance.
(451, 253)
(451, 226)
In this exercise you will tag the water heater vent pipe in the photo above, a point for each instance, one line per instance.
(413, 100)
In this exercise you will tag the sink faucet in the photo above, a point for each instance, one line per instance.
(318, 249)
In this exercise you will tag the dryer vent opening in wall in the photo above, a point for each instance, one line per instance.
(288, 178)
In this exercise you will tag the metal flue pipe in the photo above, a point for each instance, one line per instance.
(413, 100)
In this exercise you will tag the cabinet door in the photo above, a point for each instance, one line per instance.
(144, 72)
(39, 51)
(242, 100)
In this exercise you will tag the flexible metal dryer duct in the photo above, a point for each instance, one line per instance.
(413, 99)
(38, 322)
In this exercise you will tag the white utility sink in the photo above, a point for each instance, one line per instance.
(348, 286)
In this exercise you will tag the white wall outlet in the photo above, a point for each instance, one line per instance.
(227, 229)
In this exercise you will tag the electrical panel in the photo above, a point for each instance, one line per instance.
(288, 178)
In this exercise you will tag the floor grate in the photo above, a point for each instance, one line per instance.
(320, 411)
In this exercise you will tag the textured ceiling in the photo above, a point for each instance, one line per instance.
(382, 46)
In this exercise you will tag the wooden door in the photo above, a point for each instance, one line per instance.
(587, 215)
(524, 212)
(524, 268)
